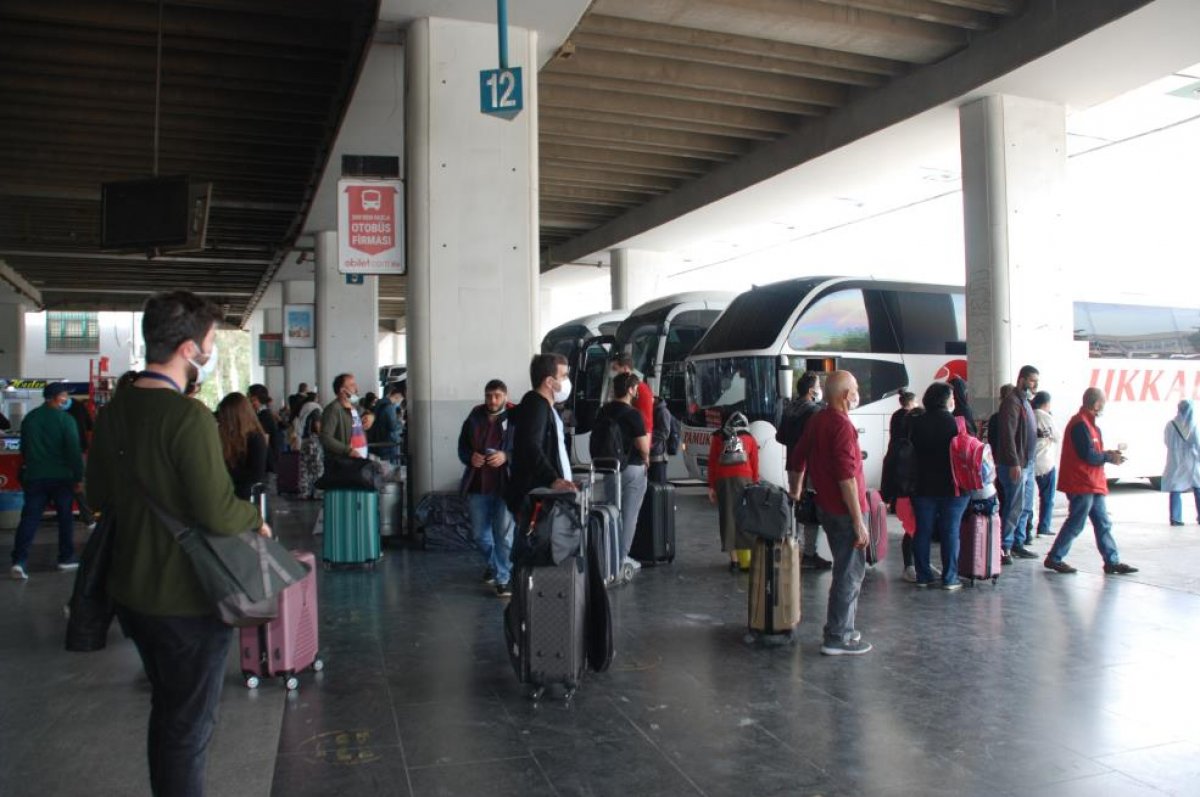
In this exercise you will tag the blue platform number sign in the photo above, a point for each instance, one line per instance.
(500, 92)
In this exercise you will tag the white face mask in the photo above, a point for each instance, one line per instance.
(854, 402)
(353, 399)
(208, 368)
(817, 395)
(564, 391)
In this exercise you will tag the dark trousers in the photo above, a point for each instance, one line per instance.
(184, 658)
(39, 493)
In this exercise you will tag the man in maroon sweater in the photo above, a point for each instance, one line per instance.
(829, 451)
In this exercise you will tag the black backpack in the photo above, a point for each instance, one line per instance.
(608, 439)
(795, 417)
(899, 478)
(665, 439)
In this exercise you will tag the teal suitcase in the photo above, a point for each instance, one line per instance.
(351, 521)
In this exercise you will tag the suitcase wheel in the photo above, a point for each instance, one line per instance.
(995, 579)
(627, 572)
(252, 681)
(536, 693)
(292, 683)
(318, 665)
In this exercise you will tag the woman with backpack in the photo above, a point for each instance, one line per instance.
(936, 502)
(732, 464)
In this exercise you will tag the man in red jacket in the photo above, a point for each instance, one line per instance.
(1081, 477)
(829, 451)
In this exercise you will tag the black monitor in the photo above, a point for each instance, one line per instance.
(145, 214)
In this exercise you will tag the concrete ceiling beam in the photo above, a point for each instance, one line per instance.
(561, 91)
(732, 43)
(1004, 8)
(808, 22)
(683, 160)
(599, 196)
(572, 174)
(596, 42)
(700, 77)
(634, 162)
(613, 133)
(664, 124)
(601, 103)
(926, 11)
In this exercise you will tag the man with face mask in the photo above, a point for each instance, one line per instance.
(342, 432)
(1081, 477)
(151, 440)
(830, 454)
(539, 451)
(483, 450)
(1015, 450)
(53, 472)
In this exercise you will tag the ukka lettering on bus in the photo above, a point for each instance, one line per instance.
(1147, 384)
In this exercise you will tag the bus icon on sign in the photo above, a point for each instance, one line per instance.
(371, 199)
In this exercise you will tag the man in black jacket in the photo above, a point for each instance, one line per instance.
(539, 457)
(260, 399)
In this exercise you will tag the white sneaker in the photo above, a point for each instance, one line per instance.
(910, 574)
(18, 573)
(67, 567)
(634, 563)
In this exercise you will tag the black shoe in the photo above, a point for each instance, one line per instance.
(1006, 559)
(489, 576)
(814, 562)
(1176, 522)
(1021, 552)
(1119, 569)
(733, 567)
(1058, 567)
(504, 590)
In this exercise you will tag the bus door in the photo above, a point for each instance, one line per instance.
(590, 369)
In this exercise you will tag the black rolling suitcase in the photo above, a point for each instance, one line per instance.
(654, 539)
(559, 620)
(604, 520)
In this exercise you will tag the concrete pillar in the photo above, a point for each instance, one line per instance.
(472, 237)
(300, 365)
(1018, 311)
(346, 319)
(12, 340)
(635, 275)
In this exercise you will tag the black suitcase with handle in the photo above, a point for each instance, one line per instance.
(654, 538)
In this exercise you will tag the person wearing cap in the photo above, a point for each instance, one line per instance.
(53, 473)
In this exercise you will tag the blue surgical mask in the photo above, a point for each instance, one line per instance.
(209, 367)
(66, 404)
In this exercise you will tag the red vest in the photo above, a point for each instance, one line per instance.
(1074, 475)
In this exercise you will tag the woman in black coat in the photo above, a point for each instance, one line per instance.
(936, 503)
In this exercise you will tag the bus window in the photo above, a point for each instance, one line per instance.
(960, 316)
(877, 379)
(685, 332)
(645, 350)
(1126, 330)
(733, 384)
(837, 322)
(926, 321)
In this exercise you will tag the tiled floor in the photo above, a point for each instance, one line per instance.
(1043, 685)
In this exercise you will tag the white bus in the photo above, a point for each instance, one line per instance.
(896, 335)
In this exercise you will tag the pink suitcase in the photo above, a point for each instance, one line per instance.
(877, 544)
(287, 645)
(979, 546)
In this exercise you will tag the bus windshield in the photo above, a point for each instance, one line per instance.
(732, 384)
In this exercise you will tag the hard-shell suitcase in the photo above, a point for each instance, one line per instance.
(877, 530)
(774, 585)
(605, 518)
(551, 634)
(289, 644)
(351, 522)
(654, 538)
(287, 473)
(979, 545)
(391, 510)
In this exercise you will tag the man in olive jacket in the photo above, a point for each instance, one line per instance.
(154, 443)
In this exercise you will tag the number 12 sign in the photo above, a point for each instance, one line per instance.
(500, 92)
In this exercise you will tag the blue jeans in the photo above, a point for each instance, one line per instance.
(184, 659)
(849, 567)
(1081, 507)
(1046, 485)
(493, 526)
(1176, 504)
(38, 493)
(1018, 499)
(943, 515)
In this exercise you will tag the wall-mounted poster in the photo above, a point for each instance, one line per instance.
(270, 349)
(299, 331)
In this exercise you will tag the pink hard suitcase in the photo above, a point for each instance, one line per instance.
(287, 645)
(979, 545)
(877, 544)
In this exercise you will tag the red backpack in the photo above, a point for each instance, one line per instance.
(971, 462)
